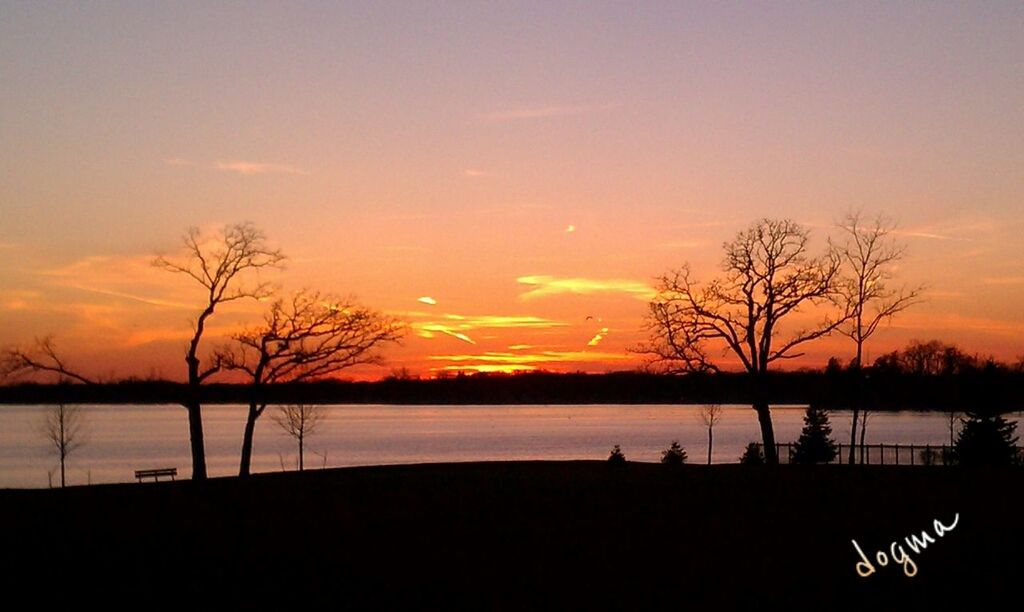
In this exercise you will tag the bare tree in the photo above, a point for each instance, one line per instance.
(710, 414)
(864, 418)
(868, 255)
(43, 357)
(300, 421)
(63, 428)
(218, 266)
(768, 276)
(307, 337)
(953, 417)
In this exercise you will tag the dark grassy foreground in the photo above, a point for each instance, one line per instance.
(522, 536)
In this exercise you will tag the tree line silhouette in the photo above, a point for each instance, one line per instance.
(995, 383)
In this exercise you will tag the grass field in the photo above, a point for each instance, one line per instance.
(524, 535)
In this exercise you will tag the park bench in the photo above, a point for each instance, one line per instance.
(156, 474)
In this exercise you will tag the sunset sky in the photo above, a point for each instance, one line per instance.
(529, 167)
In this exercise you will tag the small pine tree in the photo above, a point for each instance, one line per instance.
(617, 457)
(986, 439)
(753, 455)
(675, 455)
(815, 444)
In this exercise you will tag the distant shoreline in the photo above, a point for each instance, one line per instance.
(880, 392)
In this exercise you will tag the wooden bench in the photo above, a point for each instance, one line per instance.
(156, 474)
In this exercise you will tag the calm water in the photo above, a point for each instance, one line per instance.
(121, 439)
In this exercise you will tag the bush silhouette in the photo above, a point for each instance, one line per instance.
(815, 444)
(752, 455)
(986, 439)
(617, 457)
(674, 455)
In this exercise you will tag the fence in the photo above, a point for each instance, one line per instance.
(882, 454)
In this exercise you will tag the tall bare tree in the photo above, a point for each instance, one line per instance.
(306, 337)
(62, 427)
(300, 421)
(711, 414)
(868, 254)
(218, 266)
(769, 275)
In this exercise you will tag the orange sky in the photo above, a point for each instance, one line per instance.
(532, 168)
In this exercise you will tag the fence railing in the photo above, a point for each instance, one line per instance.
(882, 454)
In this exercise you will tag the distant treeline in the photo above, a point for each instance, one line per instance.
(998, 388)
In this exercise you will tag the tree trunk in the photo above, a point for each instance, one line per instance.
(853, 433)
(710, 440)
(250, 429)
(63, 446)
(764, 418)
(857, 393)
(300, 453)
(863, 428)
(193, 405)
(195, 432)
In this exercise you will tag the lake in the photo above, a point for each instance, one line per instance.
(121, 439)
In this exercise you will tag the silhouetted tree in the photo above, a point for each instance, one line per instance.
(218, 266)
(63, 428)
(43, 357)
(932, 358)
(768, 276)
(952, 418)
(815, 444)
(752, 455)
(869, 255)
(986, 438)
(674, 455)
(304, 338)
(864, 418)
(617, 456)
(710, 414)
(300, 421)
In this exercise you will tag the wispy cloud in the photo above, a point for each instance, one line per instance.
(544, 111)
(177, 161)
(549, 285)
(531, 358)
(253, 168)
(130, 278)
(405, 217)
(930, 235)
(683, 244)
(134, 298)
(461, 326)
(503, 322)
(1003, 280)
(427, 300)
(598, 337)
(476, 173)
(429, 330)
(959, 230)
(19, 299)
